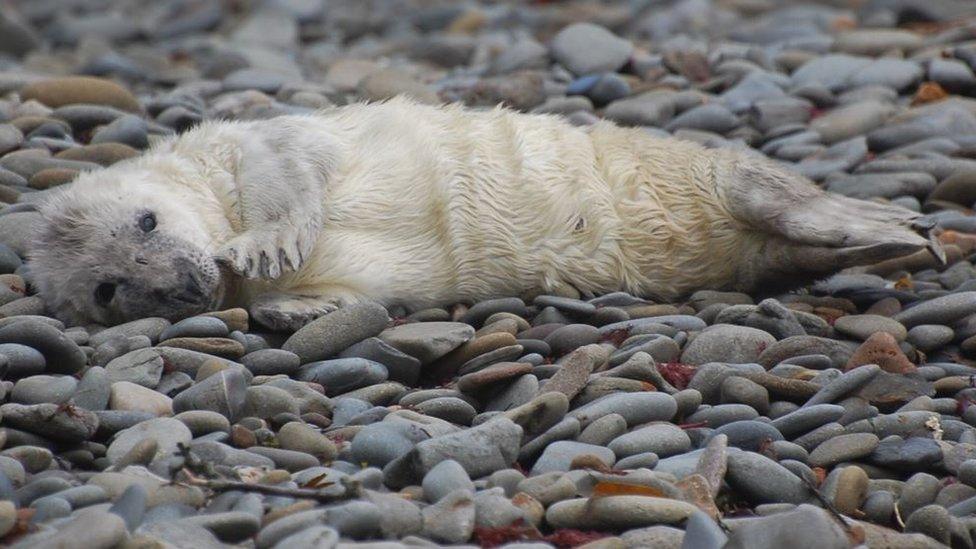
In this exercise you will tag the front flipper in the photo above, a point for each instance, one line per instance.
(271, 251)
(279, 179)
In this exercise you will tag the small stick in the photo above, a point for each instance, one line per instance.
(300, 493)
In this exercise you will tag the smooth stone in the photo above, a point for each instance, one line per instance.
(909, 454)
(401, 367)
(762, 480)
(167, 432)
(129, 130)
(330, 334)
(300, 437)
(141, 366)
(790, 529)
(942, 310)
(223, 392)
(124, 395)
(94, 390)
(748, 434)
(149, 327)
(727, 343)
(61, 354)
(481, 450)
(427, 341)
(271, 362)
(22, 360)
(617, 512)
(930, 337)
(445, 478)
(862, 327)
(67, 90)
(849, 447)
(807, 419)
(662, 439)
(586, 48)
(635, 408)
(559, 456)
(40, 389)
(79, 532)
(342, 375)
(202, 422)
(50, 420)
(380, 443)
(452, 519)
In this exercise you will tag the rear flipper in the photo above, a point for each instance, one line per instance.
(809, 233)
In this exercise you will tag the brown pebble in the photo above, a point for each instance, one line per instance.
(881, 349)
(852, 485)
(697, 491)
(9, 195)
(27, 124)
(447, 366)
(209, 368)
(829, 314)
(30, 305)
(15, 282)
(281, 512)
(501, 326)
(242, 437)
(70, 90)
(950, 385)
(103, 154)
(887, 306)
(575, 369)
(217, 346)
(646, 311)
(491, 375)
(235, 319)
(52, 177)
(794, 390)
(141, 453)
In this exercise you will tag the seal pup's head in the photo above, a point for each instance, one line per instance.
(124, 243)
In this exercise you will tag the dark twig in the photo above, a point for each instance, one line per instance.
(351, 490)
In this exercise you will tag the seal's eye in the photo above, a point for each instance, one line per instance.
(104, 293)
(147, 222)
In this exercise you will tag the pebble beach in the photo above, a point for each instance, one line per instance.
(839, 415)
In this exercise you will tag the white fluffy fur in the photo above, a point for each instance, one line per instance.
(421, 206)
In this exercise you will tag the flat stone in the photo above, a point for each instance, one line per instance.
(727, 343)
(559, 456)
(942, 310)
(585, 48)
(427, 341)
(850, 447)
(662, 439)
(618, 512)
(481, 450)
(762, 480)
(51, 420)
(330, 334)
(167, 432)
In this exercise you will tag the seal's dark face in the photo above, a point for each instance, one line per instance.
(147, 271)
(121, 256)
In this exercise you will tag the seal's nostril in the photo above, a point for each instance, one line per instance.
(104, 293)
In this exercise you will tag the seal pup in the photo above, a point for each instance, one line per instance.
(420, 206)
